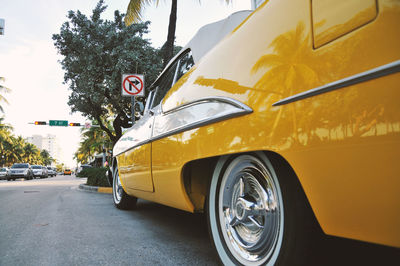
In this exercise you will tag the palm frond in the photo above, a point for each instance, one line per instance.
(134, 10)
(265, 61)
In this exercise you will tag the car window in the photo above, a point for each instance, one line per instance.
(22, 165)
(164, 84)
(182, 65)
(36, 167)
(149, 101)
(185, 64)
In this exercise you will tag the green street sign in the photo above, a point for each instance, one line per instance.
(59, 123)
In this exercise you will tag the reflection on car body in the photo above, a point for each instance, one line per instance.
(286, 127)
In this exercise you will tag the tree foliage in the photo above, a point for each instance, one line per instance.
(96, 54)
(93, 142)
(3, 90)
(15, 149)
(134, 14)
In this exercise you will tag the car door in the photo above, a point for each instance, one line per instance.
(134, 148)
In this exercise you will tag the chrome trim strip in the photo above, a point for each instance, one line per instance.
(374, 73)
(220, 99)
(188, 116)
(196, 114)
(137, 135)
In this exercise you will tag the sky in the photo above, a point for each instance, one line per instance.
(30, 63)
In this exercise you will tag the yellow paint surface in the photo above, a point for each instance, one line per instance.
(343, 145)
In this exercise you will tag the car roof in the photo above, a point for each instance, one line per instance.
(208, 36)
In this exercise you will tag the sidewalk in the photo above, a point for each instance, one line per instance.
(107, 190)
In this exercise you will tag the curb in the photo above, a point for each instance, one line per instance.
(107, 190)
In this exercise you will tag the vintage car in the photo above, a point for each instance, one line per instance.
(289, 127)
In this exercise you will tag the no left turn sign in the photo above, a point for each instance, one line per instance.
(132, 85)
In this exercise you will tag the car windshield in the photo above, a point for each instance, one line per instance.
(67, 170)
(36, 167)
(3, 170)
(49, 168)
(20, 165)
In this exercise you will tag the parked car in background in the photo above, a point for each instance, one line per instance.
(83, 166)
(39, 171)
(20, 170)
(286, 131)
(45, 172)
(4, 173)
(51, 171)
(67, 172)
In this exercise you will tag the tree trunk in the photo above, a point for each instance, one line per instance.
(169, 45)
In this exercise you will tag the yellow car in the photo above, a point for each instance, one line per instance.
(289, 126)
(67, 172)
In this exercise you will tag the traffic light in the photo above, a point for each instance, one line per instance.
(40, 123)
(74, 124)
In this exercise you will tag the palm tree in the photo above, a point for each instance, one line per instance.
(3, 90)
(31, 154)
(94, 140)
(5, 139)
(4, 127)
(45, 157)
(133, 15)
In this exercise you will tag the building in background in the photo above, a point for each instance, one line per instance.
(48, 143)
(36, 140)
(51, 145)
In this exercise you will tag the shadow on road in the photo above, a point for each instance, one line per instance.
(331, 250)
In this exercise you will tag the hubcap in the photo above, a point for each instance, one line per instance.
(250, 210)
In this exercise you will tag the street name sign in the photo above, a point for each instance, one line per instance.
(132, 85)
(59, 123)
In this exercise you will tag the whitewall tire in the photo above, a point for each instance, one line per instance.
(256, 216)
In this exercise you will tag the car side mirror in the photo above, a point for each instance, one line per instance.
(139, 107)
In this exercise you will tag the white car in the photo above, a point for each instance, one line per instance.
(20, 170)
(39, 171)
(51, 171)
(4, 173)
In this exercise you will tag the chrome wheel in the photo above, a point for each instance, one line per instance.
(117, 188)
(248, 213)
(121, 199)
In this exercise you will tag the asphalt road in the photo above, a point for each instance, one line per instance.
(52, 222)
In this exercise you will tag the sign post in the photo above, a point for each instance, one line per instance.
(2, 26)
(132, 86)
